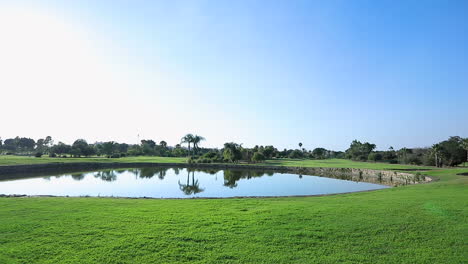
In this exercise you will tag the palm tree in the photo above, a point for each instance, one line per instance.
(300, 144)
(196, 140)
(187, 139)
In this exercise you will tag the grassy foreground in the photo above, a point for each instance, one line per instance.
(424, 223)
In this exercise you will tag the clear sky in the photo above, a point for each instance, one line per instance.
(394, 73)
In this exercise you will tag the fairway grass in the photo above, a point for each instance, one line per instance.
(424, 223)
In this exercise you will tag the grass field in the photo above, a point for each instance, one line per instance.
(426, 223)
(337, 163)
(19, 160)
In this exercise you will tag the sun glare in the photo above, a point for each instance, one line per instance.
(44, 55)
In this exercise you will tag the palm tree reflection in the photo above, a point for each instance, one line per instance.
(192, 188)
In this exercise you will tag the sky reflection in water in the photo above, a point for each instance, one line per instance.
(181, 183)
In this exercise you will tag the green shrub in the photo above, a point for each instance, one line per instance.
(374, 156)
(258, 157)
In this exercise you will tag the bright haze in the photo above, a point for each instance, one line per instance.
(394, 73)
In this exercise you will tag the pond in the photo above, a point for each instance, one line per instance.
(157, 182)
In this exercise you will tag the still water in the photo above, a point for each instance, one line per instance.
(180, 183)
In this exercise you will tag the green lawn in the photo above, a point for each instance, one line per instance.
(19, 160)
(337, 163)
(424, 223)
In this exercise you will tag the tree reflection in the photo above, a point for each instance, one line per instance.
(107, 175)
(150, 172)
(192, 188)
(232, 176)
(78, 176)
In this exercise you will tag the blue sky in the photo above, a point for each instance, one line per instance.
(394, 73)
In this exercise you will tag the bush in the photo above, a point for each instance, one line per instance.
(38, 154)
(258, 157)
(375, 156)
(53, 155)
(296, 154)
(115, 156)
(415, 160)
(393, 161)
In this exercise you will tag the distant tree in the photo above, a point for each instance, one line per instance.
(268, 152)
(296, 154)
(178, 151)
(122, 147)
(81, 148)
(389, 155)
(148, 146)
(452, 151)
(232, 152)
(300, 145)
(403, 155)
(61, 148)
(258, 157)
(464, 145)
(187, 139)
(22, 144)
(134, 150)
(374, 156)
(359, 151)
(163, 144)
(319, 153)
(196, 141)
(40, 146)
(109, 148)
(48, 141)
(10, 145)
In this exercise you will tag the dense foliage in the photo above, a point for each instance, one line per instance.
(450, 152)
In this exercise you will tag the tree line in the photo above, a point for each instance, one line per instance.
(450, 152)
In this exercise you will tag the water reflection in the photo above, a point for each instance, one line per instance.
(151, 172)
(107, 175)
(179, 183)
(231, 177)
(189, 189)
(78, 176)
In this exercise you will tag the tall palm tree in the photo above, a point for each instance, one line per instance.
(187, 139)
(196, 140)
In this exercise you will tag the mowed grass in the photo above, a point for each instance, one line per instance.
(424, 223)
(343, 163)
(336, 163)
(21, 160)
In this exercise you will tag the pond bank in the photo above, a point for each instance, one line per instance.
(391, 178)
